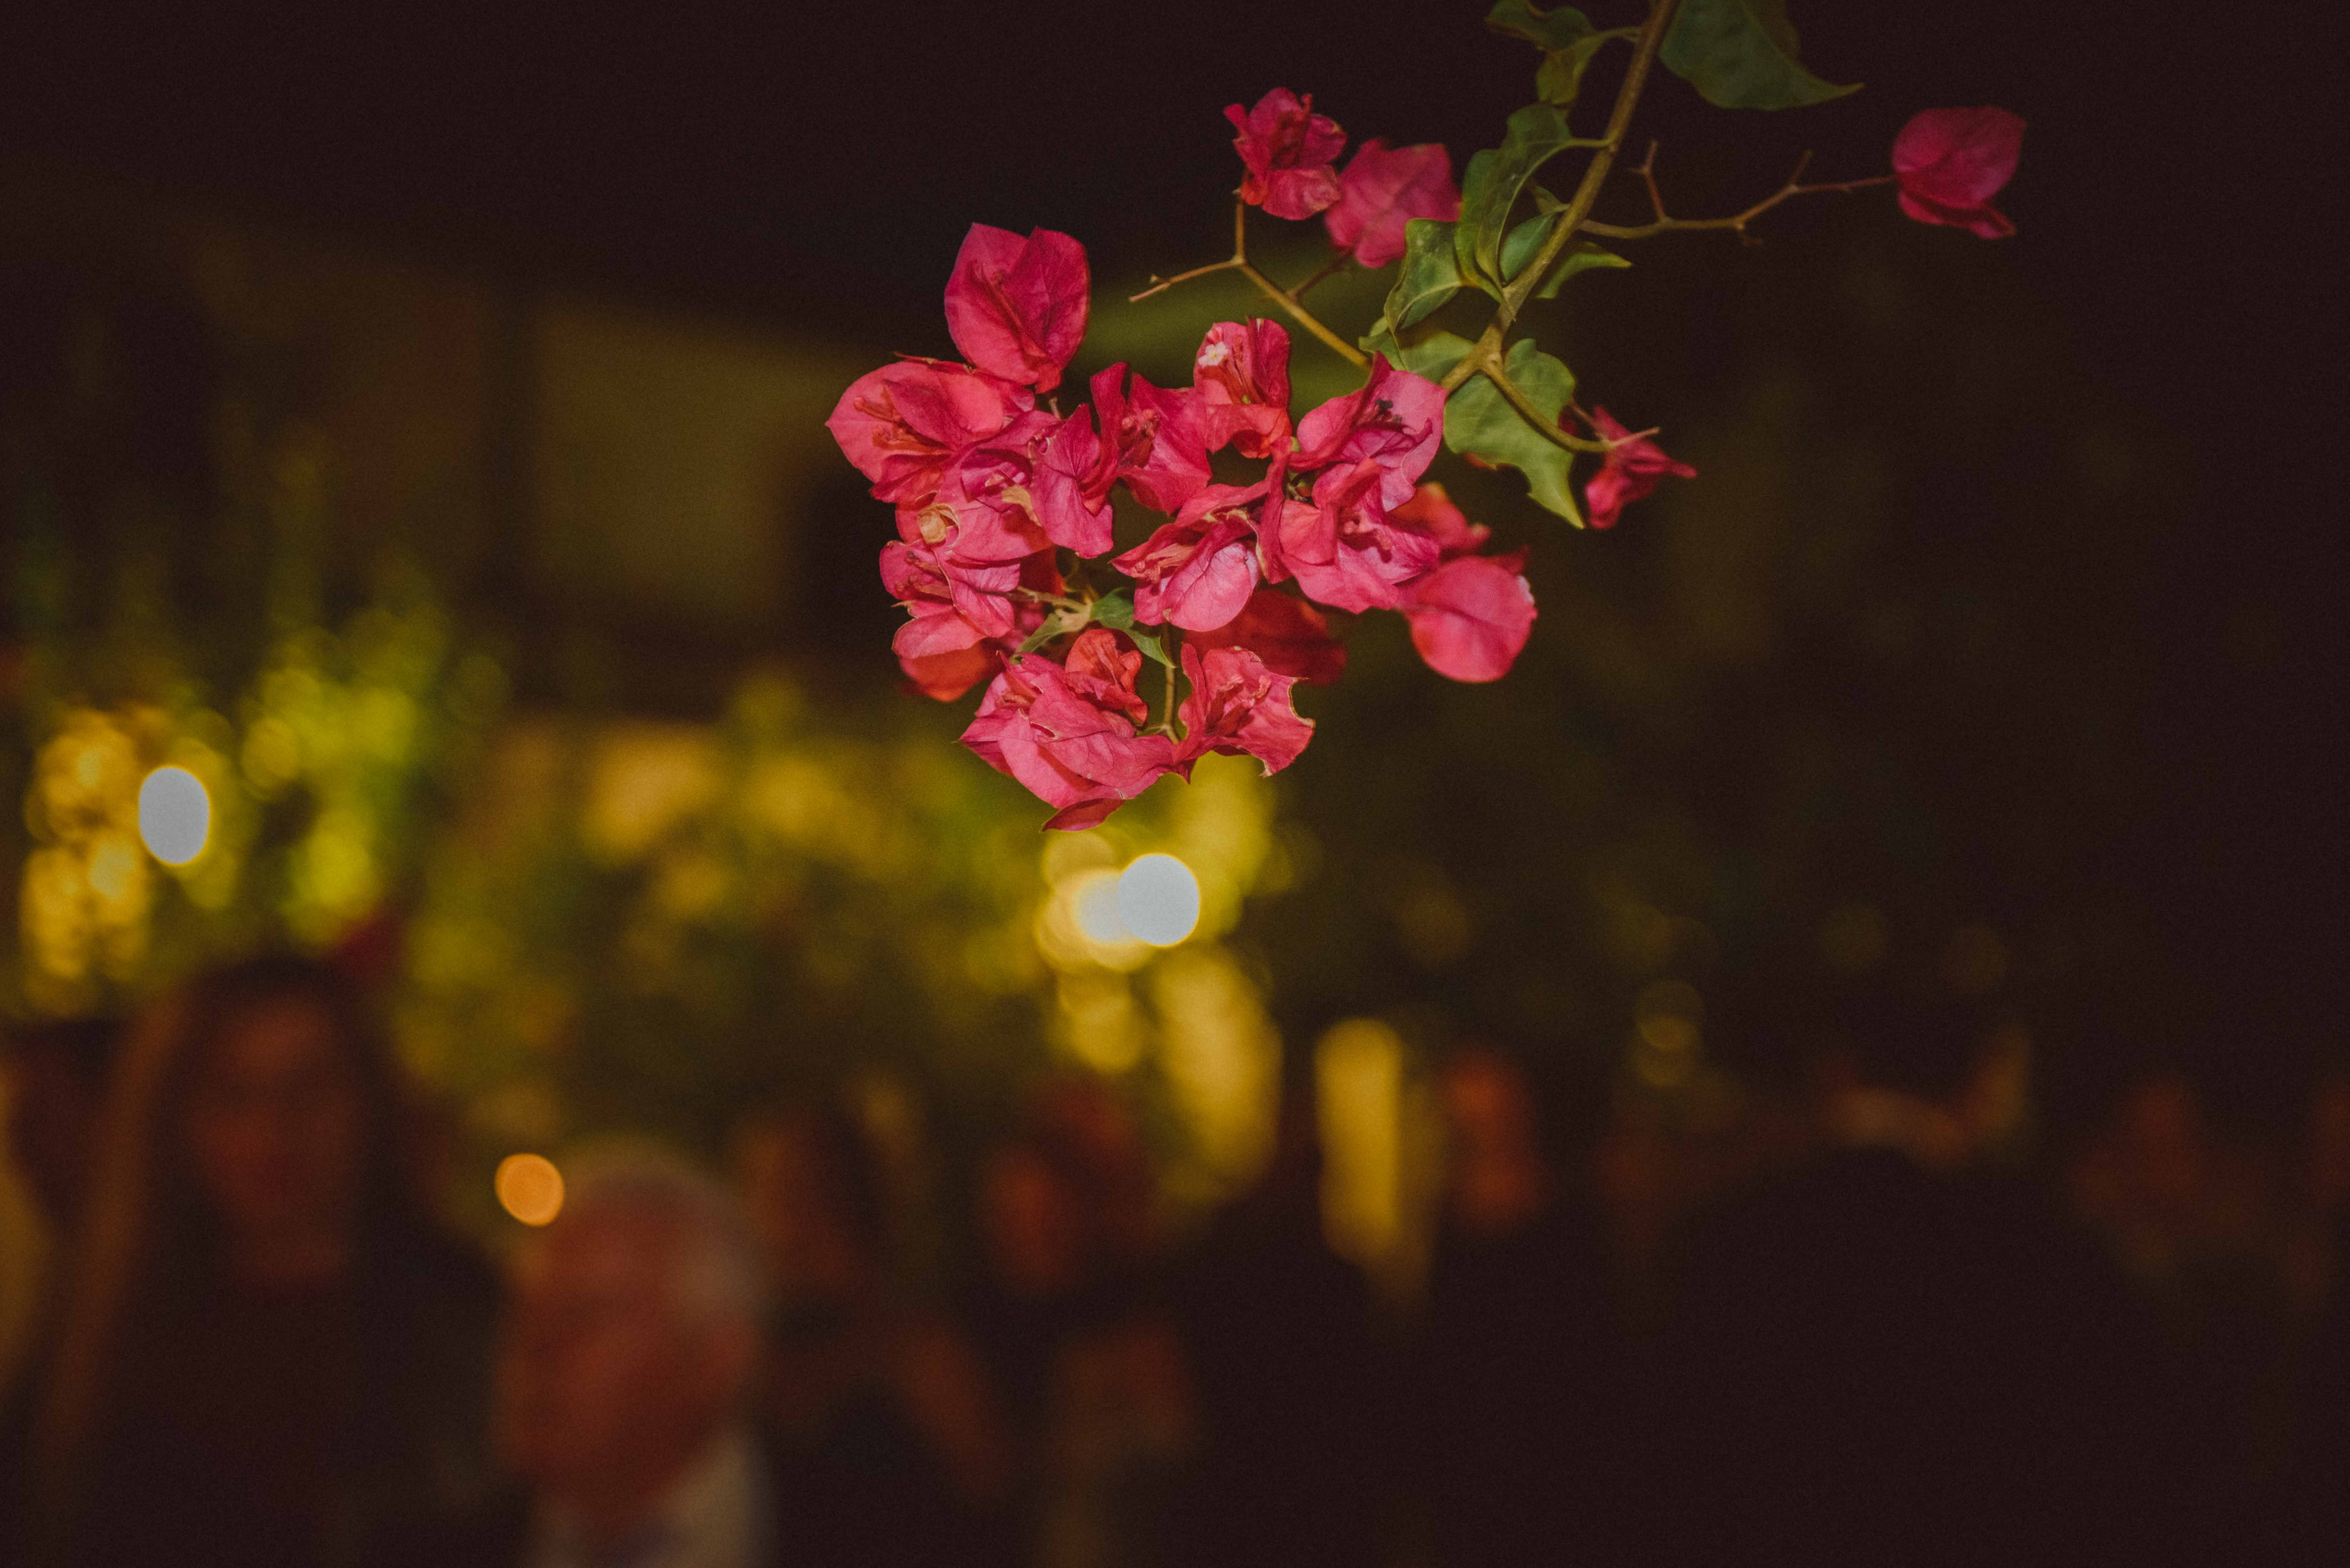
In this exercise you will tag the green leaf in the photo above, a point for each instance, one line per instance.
(1152, 642)
(1481, 425)
(1115, 611)
(1566, 38)
(1741, 54)
(1557, 29)
(1536, 133)
(1430, 273)
(1058, 623)
(1560, 76)
(1422, 350)
(1526, 239)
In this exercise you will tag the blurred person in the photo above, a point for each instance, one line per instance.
(860, 1379)
(1892, 1352)
(1082, 1354)
(55, 1081)
(1518, 1358)
(1280, 1332)
(2312, 1519)
(267, 1343)
(624, 1371)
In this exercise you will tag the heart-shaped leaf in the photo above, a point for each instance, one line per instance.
(1484, 427)
(1741, 54)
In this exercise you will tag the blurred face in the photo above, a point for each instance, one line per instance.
(273, 1125)
(606, 1389)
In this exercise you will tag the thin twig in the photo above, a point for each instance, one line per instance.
(1285, 298)
(1595, 175)
(1493, 372)
(1329, 269)
(1737, 222)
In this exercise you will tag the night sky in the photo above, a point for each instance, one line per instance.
(795, 161)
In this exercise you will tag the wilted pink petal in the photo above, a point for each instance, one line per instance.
(1151, 437)
(1068, 733)
(1951, 162)
(1239, 706)
(902, 424)
(1240, 381)
(1395, 418)
(1472, 616)
(1431, 511)
(1383, 188)
(1629, 472)
(1288, 149)
(1017, 307)
(1289, 635)
(1199, 570)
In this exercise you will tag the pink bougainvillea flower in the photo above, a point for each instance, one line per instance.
(929, 582)
(1239, 706)
(1239, 384)
(1071, 486)
(985, 508)
(1472, 616)
(1015, 307)
(944, 651)
(1383, 188)
(1431, 510)
(1288, 149)
(1289, 635)
(1199, 570)
(1395, 418)
(1951, 162)
(1067, 731)
(1150, 439)
(1344, 550)
(902, 424)
(1627, 473)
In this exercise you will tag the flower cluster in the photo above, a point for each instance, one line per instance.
(1289, 151)
(1005, 534)
(1007, 561)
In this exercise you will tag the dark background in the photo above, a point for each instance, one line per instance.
(816, 161)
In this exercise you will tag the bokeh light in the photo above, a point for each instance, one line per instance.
(175, 816)
(529, 1187)
(1094, 903)
(1159, 899)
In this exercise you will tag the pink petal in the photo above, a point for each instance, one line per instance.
(1385, 188)
(1017, 307)
(1471, 617)
(1289, 635)
(1951, 162)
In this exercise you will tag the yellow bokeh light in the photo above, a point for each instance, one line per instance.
(1095, 905)
(529, 1187)
(1359, 1081)
(1158, 900)
(175, 816)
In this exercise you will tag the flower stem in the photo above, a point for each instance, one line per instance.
(1595, 175)
(1285, 298)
